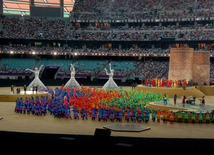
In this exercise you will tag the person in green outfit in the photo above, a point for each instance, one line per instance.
(200, 117)
(193, 117)
(179, 116)
(213, 116)
(207, 117)
(153, 115)
(186, 117)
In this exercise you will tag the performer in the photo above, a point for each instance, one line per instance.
(153, 115)
(179, 116)
(99, 115)
(213, 116)
(76, 115)
(171, 117)
(200, 117)
(165, 99)
(146, 118)
(93, 115)
(194, 99)
(25, 88)
(128, 116)
(112, 115)
(203, 100)
(12, 89)
(207, 117)
(193, 117)
(158, 115)
(183, 100)
(186, 117)
(175, 98)
(133, 85)
(36, 88)
(165, 116)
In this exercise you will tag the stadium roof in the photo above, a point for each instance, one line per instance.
(23, 6)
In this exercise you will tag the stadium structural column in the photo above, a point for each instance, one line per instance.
(31, 2)
(1, 7)
(61, 7)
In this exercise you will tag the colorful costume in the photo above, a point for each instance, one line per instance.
(171, 117)
(186, 117)
(165, 116)
(179, 116)
(158, 115)
(200, 118)
(207, 117)
(193, 117)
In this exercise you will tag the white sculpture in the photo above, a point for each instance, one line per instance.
(72, 82)
(110, 84)
(36, 81)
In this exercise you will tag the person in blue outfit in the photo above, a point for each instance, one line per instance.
(112, 115)
(93, 115)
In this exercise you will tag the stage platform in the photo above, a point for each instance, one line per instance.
(189, 91)
(179, 106)
(11, 97)
(207, 90)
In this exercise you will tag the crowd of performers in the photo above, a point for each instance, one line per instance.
(101, 105)
(167, 83)
(96, 103)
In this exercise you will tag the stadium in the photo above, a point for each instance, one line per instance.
(138, 40)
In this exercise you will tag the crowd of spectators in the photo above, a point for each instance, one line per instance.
(152, 69)
(140, 5)
(163, 34)
(53, 29)
(104, 50)
(25, 48)
(20, 29)
(99, 36)
(182, 4)
(13, 70)
(211, 70)
(198, 35)
(86, 5)
(145, 15)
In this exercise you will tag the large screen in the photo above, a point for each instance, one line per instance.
(45, 11)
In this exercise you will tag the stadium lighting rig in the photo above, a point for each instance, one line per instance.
(87, 54)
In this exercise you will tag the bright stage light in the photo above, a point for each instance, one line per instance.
(55, 53)
(33, 52)
(11, 52)
(75, 53)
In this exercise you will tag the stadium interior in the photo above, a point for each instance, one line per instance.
(135, 36)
